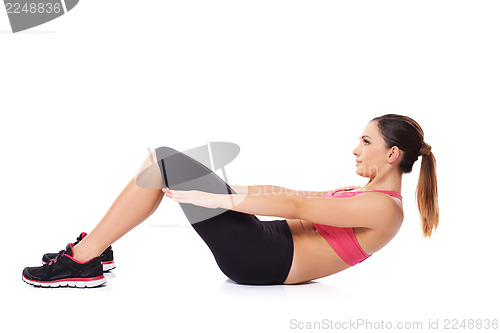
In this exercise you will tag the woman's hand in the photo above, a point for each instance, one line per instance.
(271, 204)
(198, 198)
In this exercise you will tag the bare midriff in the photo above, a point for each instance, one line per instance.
(313, 257)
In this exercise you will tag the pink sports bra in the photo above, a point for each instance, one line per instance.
(343, 240)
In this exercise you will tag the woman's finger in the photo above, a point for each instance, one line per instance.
(181, 197)
(177, 195)
(167, 192)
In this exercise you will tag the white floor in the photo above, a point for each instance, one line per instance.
(293, 83)
(166, 279)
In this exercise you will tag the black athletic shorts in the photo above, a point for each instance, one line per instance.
(247, 250)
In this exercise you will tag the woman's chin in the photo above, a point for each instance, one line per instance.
(361, 172)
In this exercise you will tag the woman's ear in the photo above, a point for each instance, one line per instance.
(394, 154)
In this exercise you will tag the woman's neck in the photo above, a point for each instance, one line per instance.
(388, 183)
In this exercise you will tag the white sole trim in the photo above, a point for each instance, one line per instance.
(67, 283)
(108, 267)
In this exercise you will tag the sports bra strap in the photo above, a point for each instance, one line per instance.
(345, 189)
(391, 193)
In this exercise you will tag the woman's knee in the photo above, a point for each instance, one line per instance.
(164, 152)
(149, 174)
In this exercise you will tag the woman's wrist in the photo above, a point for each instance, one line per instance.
(228, 201)
(282, 205)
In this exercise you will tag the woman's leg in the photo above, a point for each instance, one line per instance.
(247, 250)
(134, 204)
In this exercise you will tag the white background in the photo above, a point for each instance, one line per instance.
(293, 83)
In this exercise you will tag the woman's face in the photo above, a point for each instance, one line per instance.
(371, 153)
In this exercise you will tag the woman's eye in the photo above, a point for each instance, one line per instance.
(366, 142)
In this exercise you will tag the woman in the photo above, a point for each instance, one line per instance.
(321, 233)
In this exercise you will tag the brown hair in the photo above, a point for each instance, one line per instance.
(408, 136)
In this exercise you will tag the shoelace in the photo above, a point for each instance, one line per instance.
(54, 260)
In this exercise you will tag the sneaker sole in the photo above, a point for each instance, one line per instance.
(108, 265)
(72, 282)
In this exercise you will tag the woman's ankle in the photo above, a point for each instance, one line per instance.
(80, 254)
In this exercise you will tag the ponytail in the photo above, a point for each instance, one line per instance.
(405, 133)
(427, 192)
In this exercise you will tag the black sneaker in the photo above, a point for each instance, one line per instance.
(106, 257)
(65, 271)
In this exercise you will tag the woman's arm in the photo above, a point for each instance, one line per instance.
(240, 189)
(270, 204)
(273, 189)
(367, 210)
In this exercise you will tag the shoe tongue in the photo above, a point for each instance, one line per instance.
(82, 236)
(69, 249)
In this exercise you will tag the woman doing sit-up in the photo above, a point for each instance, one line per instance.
(320, 233)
